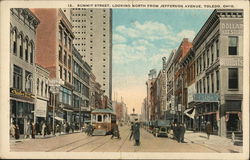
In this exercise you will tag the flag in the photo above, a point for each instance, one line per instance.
(190, 112)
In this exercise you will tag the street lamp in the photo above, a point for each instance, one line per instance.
(54, 89)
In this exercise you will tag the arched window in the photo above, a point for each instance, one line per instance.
(14, 41)
(42, 88)
(37, 86)
(21, 46)
(26, 50)
(31, 52)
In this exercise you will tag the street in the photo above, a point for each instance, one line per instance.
(80, 142)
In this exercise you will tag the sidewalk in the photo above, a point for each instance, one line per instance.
(217, 143)
(21, 139)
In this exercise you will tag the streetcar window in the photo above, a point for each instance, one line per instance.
(99, 118)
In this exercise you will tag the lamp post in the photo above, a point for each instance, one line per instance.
(54, 89)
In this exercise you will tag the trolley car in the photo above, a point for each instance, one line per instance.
(103, 120)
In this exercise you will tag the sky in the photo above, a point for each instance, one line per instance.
(141, 37)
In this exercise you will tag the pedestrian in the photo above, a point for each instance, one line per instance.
(132, 131)
(33, 129)
(182, 131)
(208, 129)
(115, 132)
(177, 132)
(136, 130)
(12, 129)
(28, 130)
(37, 128)
(43, 129)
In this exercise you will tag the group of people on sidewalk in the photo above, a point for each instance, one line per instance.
(42, 128)
(179, 130)
(30, 129)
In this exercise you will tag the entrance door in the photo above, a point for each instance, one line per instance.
(233, 122)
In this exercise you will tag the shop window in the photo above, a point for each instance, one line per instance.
(233, 78)
(233, 44)
(17, 77)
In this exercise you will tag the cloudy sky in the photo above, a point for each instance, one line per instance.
(141, 37)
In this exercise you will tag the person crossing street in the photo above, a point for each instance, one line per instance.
(136, 130)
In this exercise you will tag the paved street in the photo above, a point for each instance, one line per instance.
(80, 142)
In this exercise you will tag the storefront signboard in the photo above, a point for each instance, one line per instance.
(210, 97)
(41, 108)
(21, 93)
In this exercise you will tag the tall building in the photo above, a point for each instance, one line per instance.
(93, 40)
(22, 66)
(54, 52)
(218, 48)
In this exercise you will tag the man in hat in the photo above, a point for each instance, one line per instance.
(136, 130)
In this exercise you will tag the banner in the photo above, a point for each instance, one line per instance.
(190, 112)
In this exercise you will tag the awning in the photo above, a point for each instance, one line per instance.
(59, 118)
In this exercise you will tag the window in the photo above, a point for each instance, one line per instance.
(233, 78)
(208, 58)
(69, 74)
(31, 53)
(65, 74)
(212, 53)
(200, 60)
(60, 69)
(42, 88)
(217, 48)
(69, 61)
(37, 86)
(212, 83)
(204, 61)
(200, 86)
(99, 118)
(17, 77)
(204, 85)
(65, 58)
(60, 53)
(46, 90)
(217, 80)
(233, 43)
(65, 39)
(65, 95)
(21, 46)
(60, 33)
(14, 42)
(208, 85)
(28, 81)
(69, 44)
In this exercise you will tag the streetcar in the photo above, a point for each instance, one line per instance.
(103, 121)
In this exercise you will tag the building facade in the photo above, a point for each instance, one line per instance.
(180, 92)
(54, 52)
(42, 94)
(81, 92)
(23, 31)
(93, 40)
(150, 94)
(218, 51)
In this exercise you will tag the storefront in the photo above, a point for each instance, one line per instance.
(21, 108)
(207, 110)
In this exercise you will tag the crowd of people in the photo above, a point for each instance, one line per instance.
(41, 128)
(179, 130)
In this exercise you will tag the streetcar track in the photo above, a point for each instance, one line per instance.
(123, 143)
(55, 148)
(100, 145)
(84, 144)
